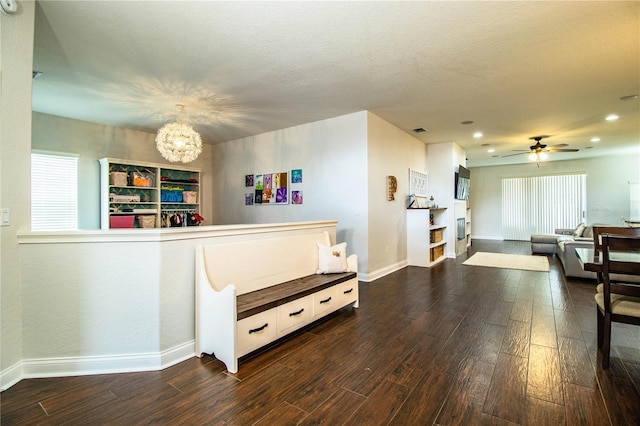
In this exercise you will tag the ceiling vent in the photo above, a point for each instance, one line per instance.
(419, 130)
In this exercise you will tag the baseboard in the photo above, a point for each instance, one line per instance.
(11, 376)
(83, 366)
(487, 237)
(374, 275)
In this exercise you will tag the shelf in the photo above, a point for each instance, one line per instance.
(113, 170)
(421, 250)
(438, 244)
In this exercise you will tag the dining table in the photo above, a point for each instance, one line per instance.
(590, 260)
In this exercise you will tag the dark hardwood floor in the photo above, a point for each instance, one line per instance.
(452, 344)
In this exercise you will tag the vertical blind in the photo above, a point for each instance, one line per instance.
(540, 204)
(54, 192)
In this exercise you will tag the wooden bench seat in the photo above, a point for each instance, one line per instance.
(267, 298)
(252, 292)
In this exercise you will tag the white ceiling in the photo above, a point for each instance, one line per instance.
(517, 69)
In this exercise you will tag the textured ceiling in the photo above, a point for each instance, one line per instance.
(517, 69)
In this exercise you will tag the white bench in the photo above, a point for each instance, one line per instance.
(251, 293)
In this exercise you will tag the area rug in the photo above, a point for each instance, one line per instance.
(509, 261)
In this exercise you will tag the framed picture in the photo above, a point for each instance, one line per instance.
(271, 188)
(296, 197)
(248, 180)
(296, 176)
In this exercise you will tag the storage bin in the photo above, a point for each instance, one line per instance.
(129, 198)
(118, 178)
(436, 235)
(125, 221)
(436, 253)
(146, 221)
(143, 179)
(190, 197)
(171, 196)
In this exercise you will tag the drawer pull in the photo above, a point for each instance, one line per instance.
(325, 300)
(293, 314)
(348, 291)
(255, 330)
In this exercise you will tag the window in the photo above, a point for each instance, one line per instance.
(54, 192)
(540, 204)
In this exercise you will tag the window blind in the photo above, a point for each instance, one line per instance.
(54, 192)
(540, 204)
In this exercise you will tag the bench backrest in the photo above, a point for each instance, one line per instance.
(260, 263)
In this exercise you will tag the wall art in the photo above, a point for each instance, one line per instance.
(296, 176)
(296, 197)
(271, 188)
(248, 180)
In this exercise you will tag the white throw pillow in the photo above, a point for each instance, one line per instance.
(332, 259)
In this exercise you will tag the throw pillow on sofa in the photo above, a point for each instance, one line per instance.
(579, 230)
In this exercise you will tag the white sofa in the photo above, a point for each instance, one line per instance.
(564, 243)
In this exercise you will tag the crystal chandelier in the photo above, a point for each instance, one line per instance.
(178, 141)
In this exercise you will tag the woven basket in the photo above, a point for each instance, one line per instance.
(147, 221)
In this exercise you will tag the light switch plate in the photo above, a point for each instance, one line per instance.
(6, 217)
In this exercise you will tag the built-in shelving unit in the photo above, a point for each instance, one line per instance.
(426, 236)
(147, 195)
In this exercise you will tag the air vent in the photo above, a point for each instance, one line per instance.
(419, 130)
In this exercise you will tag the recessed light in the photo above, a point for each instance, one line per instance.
(477, 135)
(419, 130)
(595, 140)
(491, 150)
(611, 117)
(629, 97)
(467, 122)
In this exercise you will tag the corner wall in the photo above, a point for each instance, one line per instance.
(391, 152)
(16, 65)
(332, 154)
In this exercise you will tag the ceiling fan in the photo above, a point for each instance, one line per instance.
(539, 151)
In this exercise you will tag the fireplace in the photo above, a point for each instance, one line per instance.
(460, 228)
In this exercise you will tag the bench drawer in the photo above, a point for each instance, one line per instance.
(295, 314)
(347, 292)
(325, 301)
(256, 330)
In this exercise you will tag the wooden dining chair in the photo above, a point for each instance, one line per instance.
(614, 230)
(619, 301)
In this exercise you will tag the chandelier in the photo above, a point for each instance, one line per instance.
(178, 141)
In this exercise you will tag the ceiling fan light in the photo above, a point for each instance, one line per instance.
(533, 156)
(178, 142)
(543, 156)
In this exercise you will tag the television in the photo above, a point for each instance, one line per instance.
(462, 183)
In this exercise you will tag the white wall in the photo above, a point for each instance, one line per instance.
(391, 152)
(607, 189)
(332, 155)
(93, 141)
(16, 51)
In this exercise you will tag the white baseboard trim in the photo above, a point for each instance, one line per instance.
(486, 237)
(11, 376)
(102, 364)
(374, 275)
